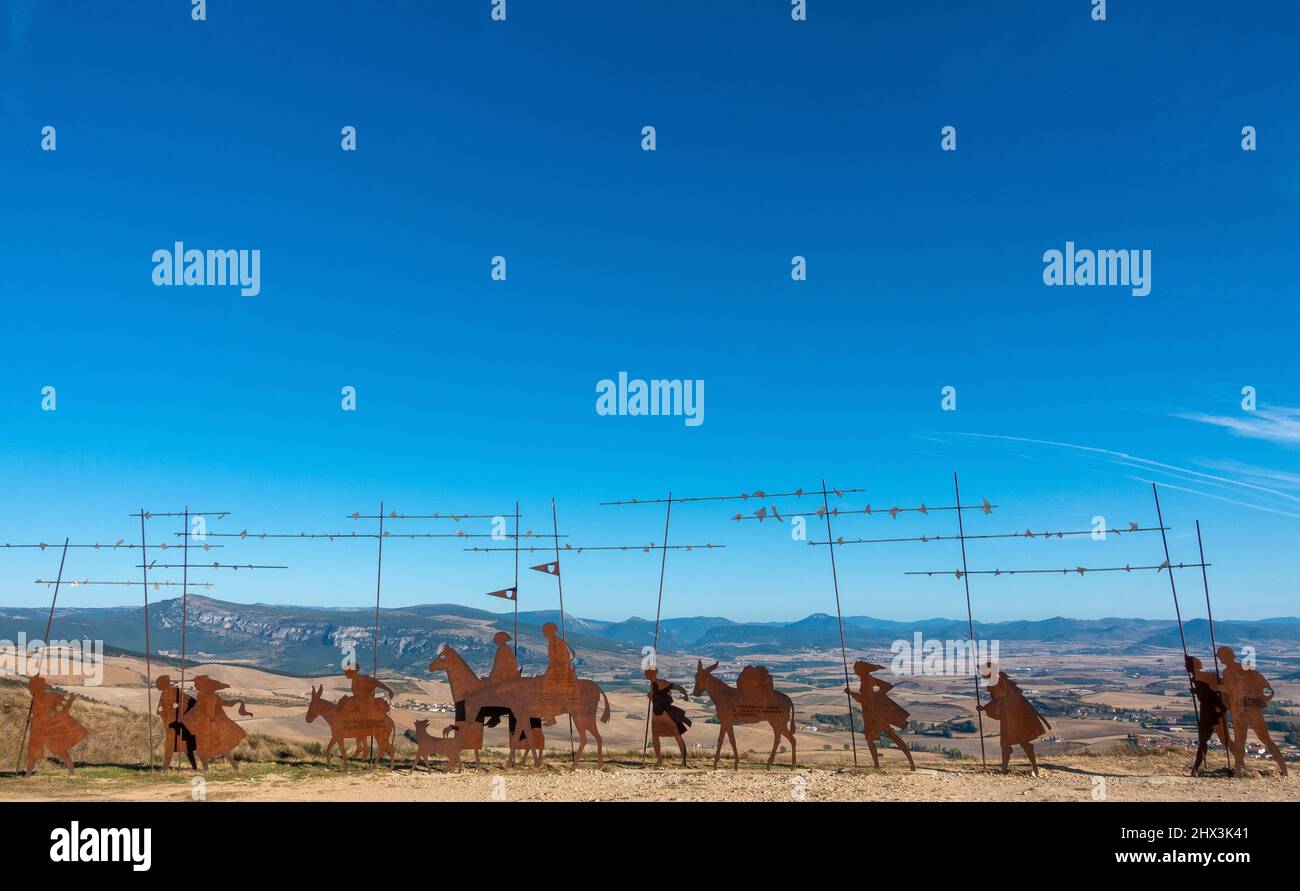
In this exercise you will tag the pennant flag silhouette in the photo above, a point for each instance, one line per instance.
(505, 593)
(552, 568)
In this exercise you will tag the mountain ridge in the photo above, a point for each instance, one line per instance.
(310, 640)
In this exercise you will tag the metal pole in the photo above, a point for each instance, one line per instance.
(1205, 579)
(1178, 613)
(379, 572)
(564, 635)
(181, 710)
(516, 598)
(1214, 645)
(148, 667)
(49, 623)
(654, 649)
(844, 655)
(970, 617)
(374, 640)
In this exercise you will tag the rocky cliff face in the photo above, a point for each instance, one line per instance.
(307, 640)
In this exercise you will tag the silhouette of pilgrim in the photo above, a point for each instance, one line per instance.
(169, 696)
(1212, 711)
(559, 657)
(215, 734)
(504, 664)
(560, 680)
(1246, 692)
(1019, 722)
(666, 719)
(880, 714)
(363, 713)
(51, 726)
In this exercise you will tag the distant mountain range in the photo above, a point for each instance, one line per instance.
(306, 640)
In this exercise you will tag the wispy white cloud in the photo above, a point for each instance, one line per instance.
(1242, 488)
(1177, 488)
(1284, 478)
(1275, 424)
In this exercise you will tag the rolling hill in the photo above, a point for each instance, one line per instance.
(307, 640)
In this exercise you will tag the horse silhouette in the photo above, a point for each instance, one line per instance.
(546, 697)
(753, 707)
(469, 730)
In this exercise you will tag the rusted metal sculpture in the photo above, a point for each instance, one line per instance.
(666, 719)
(447, 747)
(361, 716)
(176, 736)
(880, 714)
(52, 727)
(504, 662)
(1212, 715)
(1019, 722)
(556, 692)
(215, 734)
(753, 700)
(1246, 692)
(319, 707)
(469, 727)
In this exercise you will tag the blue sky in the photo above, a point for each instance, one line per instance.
(775, 138)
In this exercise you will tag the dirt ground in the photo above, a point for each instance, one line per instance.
(1084, 779)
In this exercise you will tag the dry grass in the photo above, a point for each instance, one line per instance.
(118, 736)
